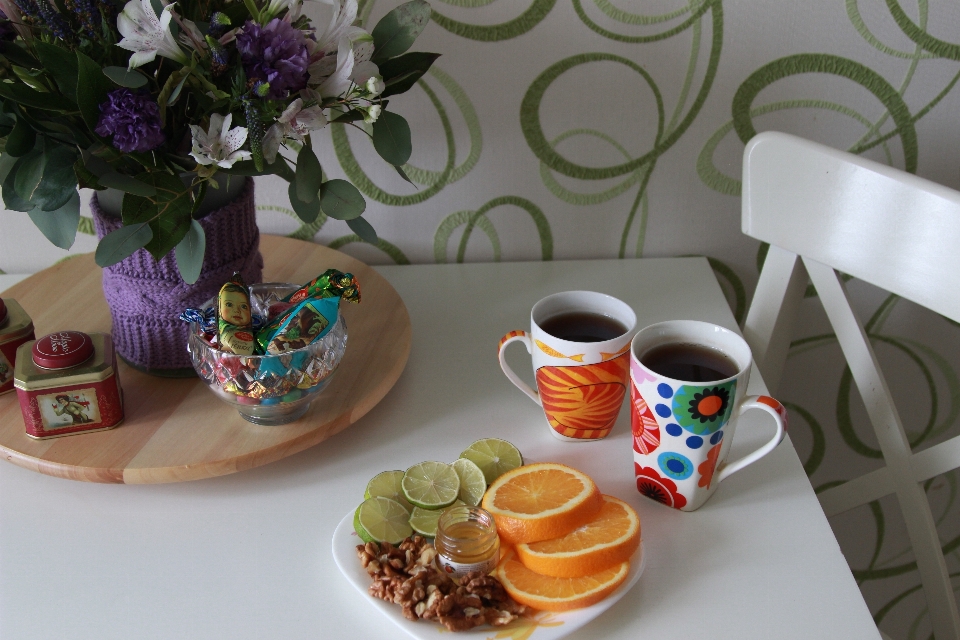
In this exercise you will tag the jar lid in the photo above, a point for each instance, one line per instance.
(62, 350)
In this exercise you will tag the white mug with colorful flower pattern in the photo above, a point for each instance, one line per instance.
(682, 429)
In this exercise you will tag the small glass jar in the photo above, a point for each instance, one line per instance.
(466, 541)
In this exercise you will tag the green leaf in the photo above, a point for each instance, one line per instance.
(363, 229)
(125, 77)
(127, 184)
(190, 251)
(306, 211)
(62, 65)
(92, 89)
(398, 30)
(18, 55)
(168, 212)
(86, 179)
(29, 172)
(60, 225)
(391, 138)
(6, 164)
(27, 97)
(21, 139)
(11, 200)
(341, 200)
(58, 181)
(309, 174)
(403, 174)
(400, 73)
(122, 243)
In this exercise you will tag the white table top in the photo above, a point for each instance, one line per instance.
(248, 555)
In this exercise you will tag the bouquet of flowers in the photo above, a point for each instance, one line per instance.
(101, 94)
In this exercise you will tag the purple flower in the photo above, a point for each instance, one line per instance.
(276, 53)
(133, 119)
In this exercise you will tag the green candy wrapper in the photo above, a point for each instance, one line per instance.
(234, 318)
(308, 313)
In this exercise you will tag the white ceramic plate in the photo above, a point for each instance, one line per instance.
(547, 625)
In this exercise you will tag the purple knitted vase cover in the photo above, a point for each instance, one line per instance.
(146, 296)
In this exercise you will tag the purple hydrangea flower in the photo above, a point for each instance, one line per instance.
(276, 53)
(133, 119)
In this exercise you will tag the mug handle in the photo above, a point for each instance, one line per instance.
(779, 413)
(522, 337)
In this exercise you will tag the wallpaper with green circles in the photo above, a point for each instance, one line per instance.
(565, 129)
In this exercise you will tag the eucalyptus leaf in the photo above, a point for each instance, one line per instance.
(306, 211)
(127, 184)
(403, 174)
(341, 200)
(29, 173)
(190, 251)
(21, 139)
(11, 200)
(391, 138)
(168, 212)
(400, 73)
(398, 30)
(59, 179)
(27, 97)
(18, 55)
(92, 89)
(309, 174)
(122, 243)
(59, 226)
(61, 64)
(172, 100)
(363, 229)
(86, 179)
(125, 77)
(6, 164)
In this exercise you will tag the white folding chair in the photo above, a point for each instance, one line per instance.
(825, 211)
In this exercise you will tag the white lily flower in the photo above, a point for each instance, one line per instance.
(343, 16)
(353, 60)
(220, 145)
(293, 124)
(278, 6)
(146, 35)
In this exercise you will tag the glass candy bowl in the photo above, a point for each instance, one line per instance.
(269, 389)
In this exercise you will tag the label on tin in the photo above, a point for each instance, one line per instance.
(457, 570)
(69, 408)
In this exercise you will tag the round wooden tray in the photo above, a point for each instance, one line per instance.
(178, 430)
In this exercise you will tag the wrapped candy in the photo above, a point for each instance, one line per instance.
(329, 284)
(206, 319)
(234, 318)
(310, 312)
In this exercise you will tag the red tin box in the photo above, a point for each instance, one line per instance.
(15, 329)
(67, 383)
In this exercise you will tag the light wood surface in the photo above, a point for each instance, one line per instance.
(178, 430)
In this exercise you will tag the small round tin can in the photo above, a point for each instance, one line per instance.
(16, 327)
(67, 383)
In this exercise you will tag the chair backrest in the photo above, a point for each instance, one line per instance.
(822, 211)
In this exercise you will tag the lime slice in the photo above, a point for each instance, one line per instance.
(387, 484)
(424, 521)
(381, 519)
(356, 526)
(473, 484)
(431, 485)
(494, 457)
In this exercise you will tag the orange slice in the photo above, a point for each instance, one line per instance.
(609, 539)
(541, 501)
(557, 594)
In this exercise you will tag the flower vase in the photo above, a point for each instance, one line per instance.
(146, 296)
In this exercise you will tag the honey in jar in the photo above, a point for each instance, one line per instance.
(466, 541)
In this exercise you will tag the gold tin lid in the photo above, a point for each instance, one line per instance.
(16, 324)
(30, 377)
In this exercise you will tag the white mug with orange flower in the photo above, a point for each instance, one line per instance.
(579, 342)
(688, 387)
